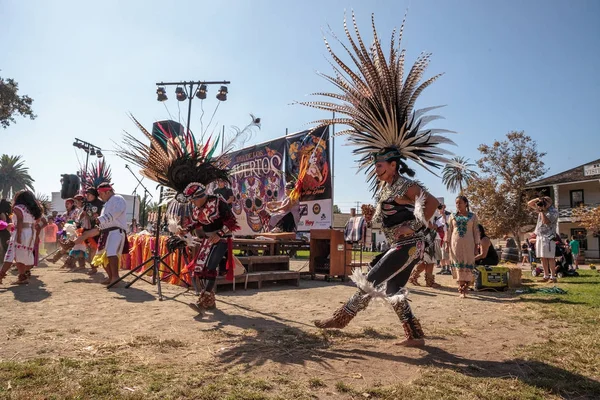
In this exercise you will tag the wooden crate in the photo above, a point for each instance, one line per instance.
(329, 243)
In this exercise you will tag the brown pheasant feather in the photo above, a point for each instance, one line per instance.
(377, 103)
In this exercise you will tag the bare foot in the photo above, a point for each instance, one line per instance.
(93, 271)
(462, 296)
(411, 343)
(105, 282)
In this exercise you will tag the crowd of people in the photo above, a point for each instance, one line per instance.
(91, 230)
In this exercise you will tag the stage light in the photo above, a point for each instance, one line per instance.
(201, 93)
(76, 144)
(181, 96)
(99, 154)
(161, 94)
(92, 152)
(222, 95)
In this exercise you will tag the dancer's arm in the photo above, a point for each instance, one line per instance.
(86, 235)
(431, 203)
(19, 215)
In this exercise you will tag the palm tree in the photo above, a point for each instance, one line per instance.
(457, 174)
(14, 176)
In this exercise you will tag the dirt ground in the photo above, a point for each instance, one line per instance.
(265, 332)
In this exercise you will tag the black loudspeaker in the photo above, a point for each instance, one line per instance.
(172, 127)
(69, 186)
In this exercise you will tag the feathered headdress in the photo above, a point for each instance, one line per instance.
(177, 161)
(99, 173)
(378, 104)
(44, 203)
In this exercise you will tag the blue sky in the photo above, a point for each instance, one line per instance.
(509, 65)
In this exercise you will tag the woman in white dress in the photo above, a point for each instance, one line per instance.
(20, 247)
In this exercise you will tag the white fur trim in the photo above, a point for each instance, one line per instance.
(173, 225)
(191, 240)
(363, 284)
(420, 208)
(397, 298)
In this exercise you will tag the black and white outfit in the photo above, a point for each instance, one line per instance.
(376, 103)
(391, 270)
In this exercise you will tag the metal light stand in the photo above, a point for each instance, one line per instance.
(156, 260)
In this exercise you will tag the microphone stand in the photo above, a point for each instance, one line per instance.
(156, 258)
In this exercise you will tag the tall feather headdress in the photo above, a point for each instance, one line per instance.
(97, 174)
(176, 160)
(377, 104)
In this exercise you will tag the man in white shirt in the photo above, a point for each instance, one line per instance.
(112, 227)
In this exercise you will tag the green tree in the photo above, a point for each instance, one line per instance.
(14, 176)
(500, 196)
(11, 103)
(458, 174)
(336, 209)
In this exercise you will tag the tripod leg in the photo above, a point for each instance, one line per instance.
(136, 269)
(162, 260)
(156, 268)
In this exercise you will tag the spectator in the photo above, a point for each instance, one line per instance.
(545, 232)
(487, 253)
(524, 253)
(5, 213)
(50, 235)
(568, 255)
(463, 240)
(225, 192)
(574, 244)
(531, 244)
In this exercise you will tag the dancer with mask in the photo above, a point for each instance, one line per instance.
(188, 168)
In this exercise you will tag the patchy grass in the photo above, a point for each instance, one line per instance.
(564, 364)
(447, 384)
(15, 331)
(445, 332)
(316, 383)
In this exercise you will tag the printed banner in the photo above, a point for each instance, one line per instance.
(258, 179)
(311, 152)
(315, 214)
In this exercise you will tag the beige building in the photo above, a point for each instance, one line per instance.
(576, 187)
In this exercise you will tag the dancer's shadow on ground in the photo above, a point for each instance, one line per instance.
(535, 373)
(131, 294)
(267, 337)
(32, 292)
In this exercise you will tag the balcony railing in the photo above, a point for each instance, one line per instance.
(567, 211)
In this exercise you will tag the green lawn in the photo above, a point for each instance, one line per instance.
(305, 254)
